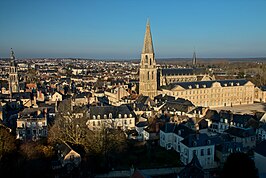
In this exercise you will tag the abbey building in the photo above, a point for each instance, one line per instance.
(193, 84)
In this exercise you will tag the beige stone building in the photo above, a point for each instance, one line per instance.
(148, 70)
(110, 116)
(260, 94)
(116, 94)
(213, 93)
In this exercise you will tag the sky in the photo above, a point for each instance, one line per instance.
(114, 29)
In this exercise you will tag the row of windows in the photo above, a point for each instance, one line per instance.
(209, 91)
(99, 123)
(202, 152)
(111, 116)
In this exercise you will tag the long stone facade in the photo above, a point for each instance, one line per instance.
(213, 93)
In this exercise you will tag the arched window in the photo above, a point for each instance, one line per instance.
(146, 58)
(119, 115)
(93, 117)
(148, 75)
(98, 117)
(125, 115)
(150, 61)
(110, 116)
(152, 75)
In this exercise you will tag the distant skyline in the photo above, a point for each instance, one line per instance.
(106, 29)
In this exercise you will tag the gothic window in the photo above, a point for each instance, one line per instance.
(148, 75)
(146, 58)
(152, 75)
(150, 61)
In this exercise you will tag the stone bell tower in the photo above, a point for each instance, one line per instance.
(13, 75)
(148, 70)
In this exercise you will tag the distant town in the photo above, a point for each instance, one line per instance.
(68, 117)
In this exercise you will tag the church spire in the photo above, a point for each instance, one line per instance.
(12, 54)
(147, 46)
(194, 59)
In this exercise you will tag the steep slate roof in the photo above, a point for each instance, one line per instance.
(192, 169)
(24, 95)
(208, 84)
(164, 98)
(196, 140)
(145, 100)
(142, 124)
(177, 71)
(106, 110)
(174, 106)
(4, 83)
(225, 146)
(179, 104)
(239, 132)
(182, 71)
(263, 88)
(183, 130)
(212, 115)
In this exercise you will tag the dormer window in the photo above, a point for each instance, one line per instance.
(232, 84)
(110, 116)
(179, 132)
(189, 86)
(237, 84)
(93, 117)
(119, 115)
(194, 143)
(225, 84)
(125, 115)
(98, 117)
(105, 116)
(204, 86)
(197, 85)
(130, 115)
(208, 142)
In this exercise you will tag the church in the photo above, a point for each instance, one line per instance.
(189, 83)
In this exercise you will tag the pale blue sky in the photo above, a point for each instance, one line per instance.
(115, 28)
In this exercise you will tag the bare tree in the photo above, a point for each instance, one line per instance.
(7, 142)
(72, 129)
